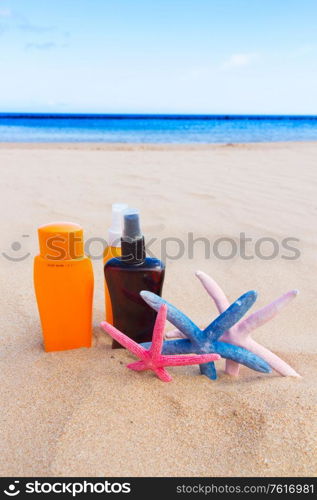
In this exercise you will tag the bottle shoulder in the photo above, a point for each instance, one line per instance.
(83, 261)
(149, 263)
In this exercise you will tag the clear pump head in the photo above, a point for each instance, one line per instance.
(115, 230)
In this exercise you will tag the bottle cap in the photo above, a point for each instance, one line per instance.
(61, 241)
(132, 241)
(131, 225)
(115, 230)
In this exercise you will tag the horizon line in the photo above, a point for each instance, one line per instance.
(206, 116)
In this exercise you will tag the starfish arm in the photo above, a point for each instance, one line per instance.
(146, 345)
(158, 332)
(174, 334)
(232, 368)
(162, 374)
(230, 316)
(123, 339)
(263, 315)
(242, 356)
(138, 366)
(214, 290)
(272, 359)
(180, 346)
(176, 317)
(195, 359)
(209, 370)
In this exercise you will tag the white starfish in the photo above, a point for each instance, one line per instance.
(240, 333)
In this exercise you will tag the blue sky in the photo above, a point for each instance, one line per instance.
(159, 56)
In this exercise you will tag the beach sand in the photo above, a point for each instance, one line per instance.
(83, 412)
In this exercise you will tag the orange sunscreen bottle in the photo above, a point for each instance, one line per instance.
(64, 283)
(113, 249)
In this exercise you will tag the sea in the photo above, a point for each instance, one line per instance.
(127, 128)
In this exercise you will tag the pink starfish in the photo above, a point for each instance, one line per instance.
(152, 359)
(240, 333)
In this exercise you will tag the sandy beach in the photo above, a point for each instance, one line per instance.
(79, 413)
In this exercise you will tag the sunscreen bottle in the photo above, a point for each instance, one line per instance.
(127, 276)
(113, 249)
(64, 282)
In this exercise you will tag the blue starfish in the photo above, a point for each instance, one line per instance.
(206, 341)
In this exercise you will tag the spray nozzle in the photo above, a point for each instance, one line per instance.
(115, 229)
(131, 224)
(132, 241)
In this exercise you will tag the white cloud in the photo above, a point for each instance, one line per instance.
(303, 50)
(41, 46)
(5, 12)
(34, 28)
(239, 60)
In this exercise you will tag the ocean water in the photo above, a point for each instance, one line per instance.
(155, 128)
